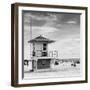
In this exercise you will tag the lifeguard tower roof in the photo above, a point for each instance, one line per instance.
(41, 39)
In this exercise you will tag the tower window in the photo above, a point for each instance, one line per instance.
(44, 46)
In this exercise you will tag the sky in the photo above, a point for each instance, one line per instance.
(64, 28)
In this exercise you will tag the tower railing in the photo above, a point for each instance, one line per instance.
(41, 53)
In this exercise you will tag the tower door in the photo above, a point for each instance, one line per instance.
(43, 63)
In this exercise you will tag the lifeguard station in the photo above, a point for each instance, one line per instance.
(40, 57)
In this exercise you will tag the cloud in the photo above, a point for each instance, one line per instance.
(43, 30)
(71, 22)
(39, 18)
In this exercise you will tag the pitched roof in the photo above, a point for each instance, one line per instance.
(41, 39)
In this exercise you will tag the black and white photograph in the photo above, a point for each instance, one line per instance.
(51, 44)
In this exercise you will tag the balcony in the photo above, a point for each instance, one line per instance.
(44, 53)
(40, 53)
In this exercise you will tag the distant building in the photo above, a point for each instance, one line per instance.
(40, 58)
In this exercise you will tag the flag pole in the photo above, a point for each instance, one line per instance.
(30, 36)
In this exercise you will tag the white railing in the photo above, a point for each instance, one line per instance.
(40, 53)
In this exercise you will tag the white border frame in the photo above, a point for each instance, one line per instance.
(82, 45)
